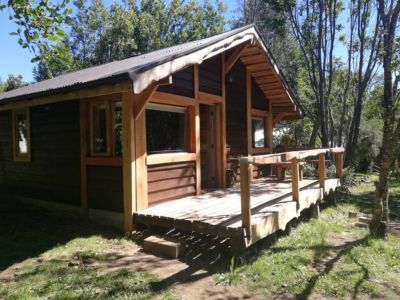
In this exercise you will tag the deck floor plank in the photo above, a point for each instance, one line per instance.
(219, 211)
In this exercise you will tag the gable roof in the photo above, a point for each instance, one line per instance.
(147, 68)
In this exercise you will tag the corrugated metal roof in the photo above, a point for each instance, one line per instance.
(143, 69)
(129, 66)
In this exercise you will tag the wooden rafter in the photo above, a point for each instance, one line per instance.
(278, 118)
(144, 97)
(234, 57)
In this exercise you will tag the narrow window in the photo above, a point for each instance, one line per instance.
(117, 127)
(99, 129)
(165, 128)
(21, 126)
(258, 132)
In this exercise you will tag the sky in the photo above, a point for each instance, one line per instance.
(16, 60)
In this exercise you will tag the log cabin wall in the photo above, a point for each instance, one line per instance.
(259, 101)
(210, 77)
(171, 181)
(182, 84)
(236, 116)
(53, 174)
(105, 188)
(178, 179)
(236, 112)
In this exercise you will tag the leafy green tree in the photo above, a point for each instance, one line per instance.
(38, 23)
(99, 34)
(12, 82)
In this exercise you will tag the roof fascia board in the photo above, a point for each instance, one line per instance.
(144, 79)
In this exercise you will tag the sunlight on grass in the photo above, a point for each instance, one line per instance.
(328, 256)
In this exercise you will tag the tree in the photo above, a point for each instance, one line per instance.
(13, 82)
(363, 51)
(100, 35)
(388, 12)
(38, 23)
(314, 25)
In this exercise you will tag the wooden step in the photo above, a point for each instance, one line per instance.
(163, 246)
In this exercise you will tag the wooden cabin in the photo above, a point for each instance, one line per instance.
(121, 142)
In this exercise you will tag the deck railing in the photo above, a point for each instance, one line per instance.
(295, 158)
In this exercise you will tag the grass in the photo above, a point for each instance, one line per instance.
(327, 256)
(54, 257)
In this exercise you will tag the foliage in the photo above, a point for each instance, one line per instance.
(39, 24)
(99, 34)
(12, 82)
(230, 277)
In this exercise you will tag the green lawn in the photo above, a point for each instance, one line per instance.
(65, 258)
(328, 256)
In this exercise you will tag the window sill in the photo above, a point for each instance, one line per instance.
(165, 158)
(262, 150)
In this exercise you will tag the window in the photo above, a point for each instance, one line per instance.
(106, 128)
(117, 127)
(258, 132)
(165, 128)
(21, 128)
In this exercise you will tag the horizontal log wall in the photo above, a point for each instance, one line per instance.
(54, 171)
(171, 181)
(182, 83)
(258, 99)
(210, 77)
(105, 188)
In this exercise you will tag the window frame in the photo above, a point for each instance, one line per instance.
(23, 157)
(265, 115)
(186, 130)
(110, 105)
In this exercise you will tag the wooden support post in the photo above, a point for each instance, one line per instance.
(84, 151)
(295, 181)
(245, 173)
(141, 166)
(249, 120)
(223, 124)
(197, 128)
(339, 164)
(129, 157)
(321, 170)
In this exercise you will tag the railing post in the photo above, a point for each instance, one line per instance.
(245, 171)
(339, 164)
(321, 170)
(295, 181)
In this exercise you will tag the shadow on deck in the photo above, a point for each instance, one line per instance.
(219, 213)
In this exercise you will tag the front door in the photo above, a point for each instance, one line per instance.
(208, 129)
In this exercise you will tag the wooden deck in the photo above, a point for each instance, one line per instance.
(219, 212)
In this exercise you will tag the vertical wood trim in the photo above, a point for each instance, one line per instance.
(248, 108)
(270, 132)
(339, 164)
(83, 112)
(223, 124)
(128, 156)
(295, 181)
(216, 119)
(197, 128)
(141, 167)
(245, 173)
(321, 170)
